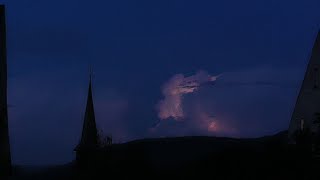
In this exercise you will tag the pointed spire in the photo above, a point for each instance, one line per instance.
(89, 137)
(5, 155)
(315, 51)
(91, 73)
(308, 101)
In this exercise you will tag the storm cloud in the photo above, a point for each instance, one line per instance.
(238, 104)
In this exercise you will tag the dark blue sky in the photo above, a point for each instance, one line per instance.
(136, 47)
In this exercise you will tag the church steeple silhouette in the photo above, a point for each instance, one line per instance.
(89, 137)
(5, 155)
(307, 108)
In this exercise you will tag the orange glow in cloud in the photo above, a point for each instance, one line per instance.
(174, 89)
(198, 117)
(214, 125)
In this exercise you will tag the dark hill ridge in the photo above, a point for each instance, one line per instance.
(203, 155)
(197, 146)
(267, 157)
(279, 137)
(218, 142)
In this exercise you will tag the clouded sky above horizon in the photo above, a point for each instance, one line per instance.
(162, 68)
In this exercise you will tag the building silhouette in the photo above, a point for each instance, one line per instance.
(307, 108)
(5, 156)
(89, 138)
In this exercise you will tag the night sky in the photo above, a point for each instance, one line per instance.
(161, 68)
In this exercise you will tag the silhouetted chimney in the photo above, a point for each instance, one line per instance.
(5, 156)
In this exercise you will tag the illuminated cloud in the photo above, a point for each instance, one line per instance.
(238, 104)
(196, 117)
(174, 90)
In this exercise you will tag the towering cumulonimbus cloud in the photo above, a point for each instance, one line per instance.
(196, 116)
(174, 90)
(249, 103)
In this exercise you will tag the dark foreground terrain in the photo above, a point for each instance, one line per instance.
(189, 157)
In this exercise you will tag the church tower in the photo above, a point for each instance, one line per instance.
(5, 156)
(307, 109)
(89, 137)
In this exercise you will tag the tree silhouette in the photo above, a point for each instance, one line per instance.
(104, 140)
